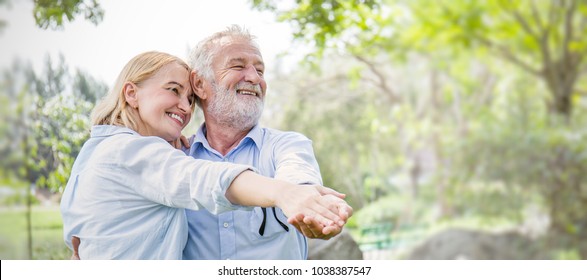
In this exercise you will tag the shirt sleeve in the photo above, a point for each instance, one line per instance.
(167, 176)
(295, 161)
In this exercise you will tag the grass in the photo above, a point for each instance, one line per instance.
(47, 234)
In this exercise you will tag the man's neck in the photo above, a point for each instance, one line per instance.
(223, 138)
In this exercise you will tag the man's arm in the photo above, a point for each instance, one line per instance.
(296, 163)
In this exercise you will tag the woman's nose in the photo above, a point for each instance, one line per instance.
(184, 104)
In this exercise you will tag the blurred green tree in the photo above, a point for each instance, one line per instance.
(481, 119)
(49, 120)
(45, 122)
(544, 38)
(52, 14)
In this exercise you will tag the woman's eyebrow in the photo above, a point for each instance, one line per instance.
(175, 83)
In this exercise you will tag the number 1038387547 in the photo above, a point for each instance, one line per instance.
(341, 270)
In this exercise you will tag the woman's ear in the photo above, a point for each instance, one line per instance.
(130, 94)
(198, 84)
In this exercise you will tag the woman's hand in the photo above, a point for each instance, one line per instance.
(311, 228)
(316, 211)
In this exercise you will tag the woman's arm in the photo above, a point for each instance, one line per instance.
(252, 189)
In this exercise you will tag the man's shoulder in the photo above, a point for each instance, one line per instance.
(272, 136)
(274, 132)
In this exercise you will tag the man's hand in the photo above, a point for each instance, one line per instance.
(311, 228)
(307, 200)
(75, 243)
(180, 142)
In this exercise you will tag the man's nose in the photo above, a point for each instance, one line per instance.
(252, 75)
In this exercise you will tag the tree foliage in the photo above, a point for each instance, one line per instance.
(45, 121)
(543, 38)
(479, 106)
(3, 22)
(53, 13)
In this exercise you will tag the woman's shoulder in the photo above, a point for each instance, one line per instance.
(117, 142)
(104, 131)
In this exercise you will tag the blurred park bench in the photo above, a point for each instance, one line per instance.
(378, 238)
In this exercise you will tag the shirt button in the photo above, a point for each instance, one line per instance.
(225, 225)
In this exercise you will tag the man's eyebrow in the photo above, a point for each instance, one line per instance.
(242, 60)
(236, 60)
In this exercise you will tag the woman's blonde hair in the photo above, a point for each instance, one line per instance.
(113, 108)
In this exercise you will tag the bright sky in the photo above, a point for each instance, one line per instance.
(131, 27)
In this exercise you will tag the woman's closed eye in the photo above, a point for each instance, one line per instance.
(175, 90)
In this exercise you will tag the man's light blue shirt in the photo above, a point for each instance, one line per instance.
(126, 194)
(287, 156)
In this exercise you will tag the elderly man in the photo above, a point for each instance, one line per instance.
(228, 79)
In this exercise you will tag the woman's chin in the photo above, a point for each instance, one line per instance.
(171, 136)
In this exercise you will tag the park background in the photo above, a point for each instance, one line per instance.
(456, 128)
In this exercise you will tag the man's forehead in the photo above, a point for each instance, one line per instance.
(238, 50)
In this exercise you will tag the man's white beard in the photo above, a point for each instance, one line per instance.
(228, 111)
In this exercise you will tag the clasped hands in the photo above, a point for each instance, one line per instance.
(319, 216)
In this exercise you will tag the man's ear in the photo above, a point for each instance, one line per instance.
(130, 94)
(198, 85)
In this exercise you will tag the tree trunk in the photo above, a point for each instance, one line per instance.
(568, 227)
(29, 227)
(560, 77)
(561, 98)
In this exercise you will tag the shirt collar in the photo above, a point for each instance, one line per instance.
(256, 135)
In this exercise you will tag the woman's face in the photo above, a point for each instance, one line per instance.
(164, 102)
